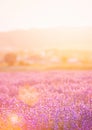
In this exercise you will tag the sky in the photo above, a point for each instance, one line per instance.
(25, 14)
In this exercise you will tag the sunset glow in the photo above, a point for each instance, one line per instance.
(24, 14)
(45, 65)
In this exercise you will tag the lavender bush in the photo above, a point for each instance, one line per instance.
(61, 100)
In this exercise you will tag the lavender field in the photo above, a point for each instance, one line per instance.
(51, 100)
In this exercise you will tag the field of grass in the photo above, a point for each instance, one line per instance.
(48, 100)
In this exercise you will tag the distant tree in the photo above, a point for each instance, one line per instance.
(10, 58)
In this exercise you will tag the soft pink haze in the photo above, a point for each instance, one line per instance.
(24, 14)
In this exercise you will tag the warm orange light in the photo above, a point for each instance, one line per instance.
(28, 95)
(12, 122)
(14, 118)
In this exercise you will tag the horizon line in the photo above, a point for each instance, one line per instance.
(33, 28)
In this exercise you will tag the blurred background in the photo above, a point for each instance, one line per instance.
(45, 35)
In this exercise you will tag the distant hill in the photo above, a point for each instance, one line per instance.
(62, 38)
